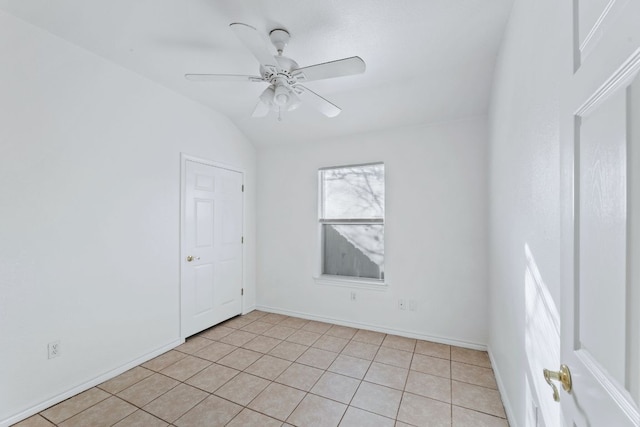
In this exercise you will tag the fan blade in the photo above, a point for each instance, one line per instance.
(222, 78)
(328, 70)
(250, 37)
(319, 103)
(261, 109)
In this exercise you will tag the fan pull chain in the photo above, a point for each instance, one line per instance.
(279, 114)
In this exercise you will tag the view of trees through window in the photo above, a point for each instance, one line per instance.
(352, 219)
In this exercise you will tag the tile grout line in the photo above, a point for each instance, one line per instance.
(361, 381)
(77, 413)
(373, 360)
(299, 328)
(141, 408)
(404, 388)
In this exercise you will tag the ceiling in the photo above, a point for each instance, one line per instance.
(427, 60)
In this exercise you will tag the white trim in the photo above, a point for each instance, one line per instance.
(184, 156)
(327, 168)
(351, 282)
(506, 403)
(376, 328)
(248, 309)
(354, 221)
(595, 33)
(620, 79)
(621, 398)
(88, 384)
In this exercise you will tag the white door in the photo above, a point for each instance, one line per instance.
(600, 306)
(211, 263)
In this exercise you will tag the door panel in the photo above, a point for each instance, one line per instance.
(226, 271)
(602, 218)
(600, 124)
(211, 283)
(204, 182)
(591, 20)
(230, 232)
(204, 293)
(204, 223)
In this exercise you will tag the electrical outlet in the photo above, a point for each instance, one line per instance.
(413, 306)
(53, 349)
(402, 304)
(353, 296)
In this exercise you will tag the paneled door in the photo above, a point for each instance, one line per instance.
(211, 265)
(600, 306)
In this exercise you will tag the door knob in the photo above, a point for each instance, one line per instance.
(191, 258)
(563, 375)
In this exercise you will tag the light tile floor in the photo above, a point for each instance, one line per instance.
(265, 369)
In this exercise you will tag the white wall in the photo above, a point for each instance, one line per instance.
(524, 186)
(89, 213)
(435, 232)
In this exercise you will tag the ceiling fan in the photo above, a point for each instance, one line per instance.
(284, 76)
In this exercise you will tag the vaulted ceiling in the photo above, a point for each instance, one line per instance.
(427, 60)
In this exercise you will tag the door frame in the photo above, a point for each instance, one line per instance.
(183, 252)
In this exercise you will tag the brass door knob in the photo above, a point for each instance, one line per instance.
(563, 375)
(191, 258)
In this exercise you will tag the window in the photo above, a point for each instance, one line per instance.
(352, 221)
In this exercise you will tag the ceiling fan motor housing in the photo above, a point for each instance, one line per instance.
(284, 71)
(282, 81)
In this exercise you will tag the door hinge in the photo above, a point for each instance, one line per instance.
(243, 188)
(242, 239)
(242, 291)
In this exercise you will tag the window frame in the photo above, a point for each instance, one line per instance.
(340, 280)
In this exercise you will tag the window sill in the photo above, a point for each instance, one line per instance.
(351, 282)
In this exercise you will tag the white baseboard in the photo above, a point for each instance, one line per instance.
(508, 409)
(377, 328)
(248, 309)
(87, 385)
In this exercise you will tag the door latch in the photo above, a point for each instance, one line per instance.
(563, 375)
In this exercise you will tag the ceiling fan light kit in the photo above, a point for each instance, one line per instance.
(284, 76)
(276, 98)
